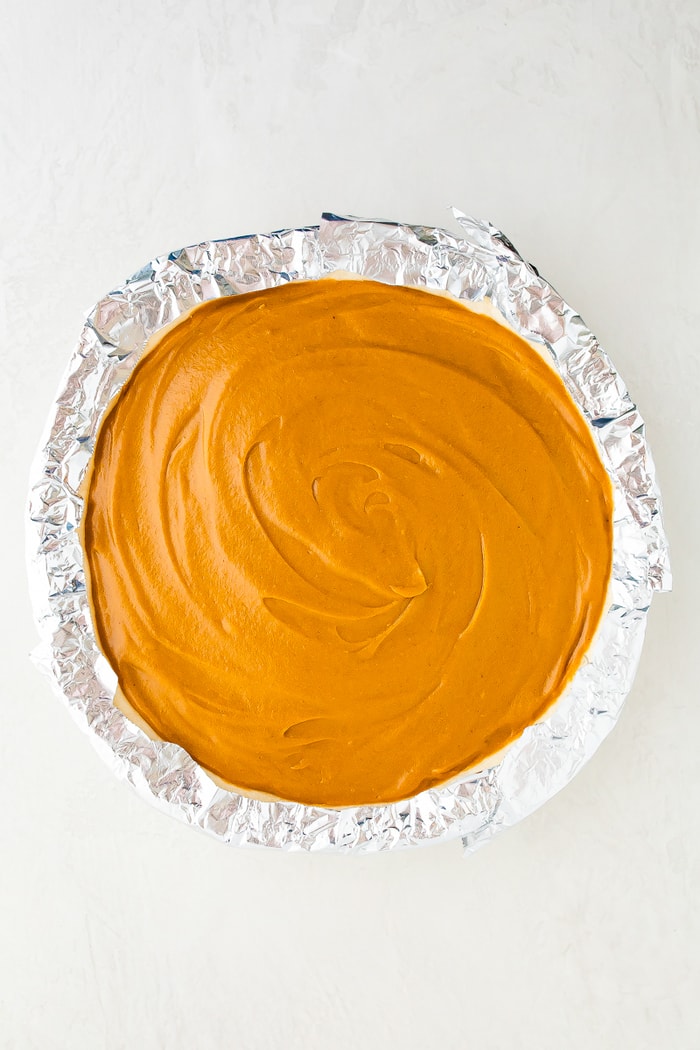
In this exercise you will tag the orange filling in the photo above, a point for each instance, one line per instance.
(344, 540)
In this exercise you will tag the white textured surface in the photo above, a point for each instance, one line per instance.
(131, 129)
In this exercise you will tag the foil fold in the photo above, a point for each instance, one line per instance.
(477, 265)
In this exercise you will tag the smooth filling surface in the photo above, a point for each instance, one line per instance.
(344, 540)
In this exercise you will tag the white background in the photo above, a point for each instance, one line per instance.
(129, 129)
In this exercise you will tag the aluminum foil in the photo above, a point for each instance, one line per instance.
(478, 265)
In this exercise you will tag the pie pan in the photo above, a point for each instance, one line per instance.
(479, 267)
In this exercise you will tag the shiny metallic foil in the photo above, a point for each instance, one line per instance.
(478, 265)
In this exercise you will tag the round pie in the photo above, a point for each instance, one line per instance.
(345, 540)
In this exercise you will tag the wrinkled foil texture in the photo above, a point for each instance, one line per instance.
(478, 265)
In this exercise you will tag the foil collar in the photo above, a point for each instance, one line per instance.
(478, 265)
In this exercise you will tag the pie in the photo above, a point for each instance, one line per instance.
(344, 540)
